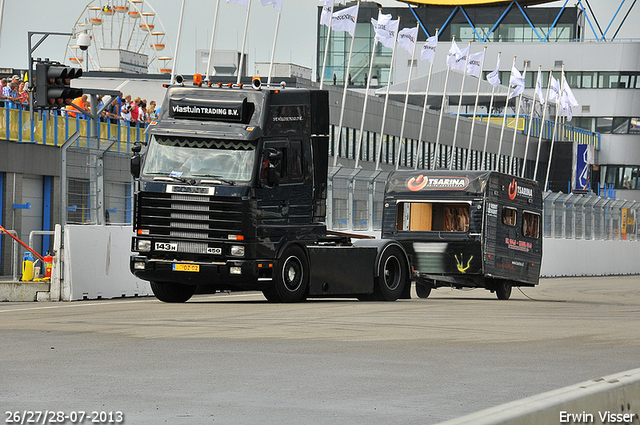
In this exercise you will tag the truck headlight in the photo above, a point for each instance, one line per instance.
(235, 270)
(144, 246)
(139, 265)
(237, 251)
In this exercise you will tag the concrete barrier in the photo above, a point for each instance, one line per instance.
(576, 257)
(614, 399)
(96, 264)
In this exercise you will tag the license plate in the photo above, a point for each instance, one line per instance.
(186, 267)
(166, 246)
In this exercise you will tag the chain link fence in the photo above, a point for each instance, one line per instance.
(98, 187)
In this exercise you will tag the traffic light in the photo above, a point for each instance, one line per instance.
(53, 89)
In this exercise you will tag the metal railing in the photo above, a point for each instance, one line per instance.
(54, 130)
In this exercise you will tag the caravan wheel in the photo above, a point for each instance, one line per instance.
(503, 289)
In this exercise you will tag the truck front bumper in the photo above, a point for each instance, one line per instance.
(235, 274)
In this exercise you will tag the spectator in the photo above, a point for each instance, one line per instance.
(113, 110)
(11, 93)
(151, 111)
(23, 95)
(135, 111)
(125, 111)
(81, 102)
(3, 83)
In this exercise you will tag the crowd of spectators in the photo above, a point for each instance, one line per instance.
(13, 93)
(123, 109)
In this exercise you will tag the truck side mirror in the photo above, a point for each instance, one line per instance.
(136, 159)
(274, 159)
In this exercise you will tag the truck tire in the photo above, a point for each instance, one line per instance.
(423, 291)
(393, 275)
(291, 278)
(172, 292)
(503, 289)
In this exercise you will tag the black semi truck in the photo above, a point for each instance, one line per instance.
(466, 229)
(230, 194)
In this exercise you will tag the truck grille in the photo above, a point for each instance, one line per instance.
(189, 217)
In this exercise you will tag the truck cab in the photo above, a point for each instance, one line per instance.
(231, 179)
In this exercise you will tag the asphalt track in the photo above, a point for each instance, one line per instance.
(236, 359)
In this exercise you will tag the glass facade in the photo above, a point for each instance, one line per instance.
(512, 27)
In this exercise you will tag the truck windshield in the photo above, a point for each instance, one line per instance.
(200, 158)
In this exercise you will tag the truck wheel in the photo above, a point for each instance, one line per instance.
(423, 291)
(392, 275)
(503, 289)
(172, 292)
(292, 276)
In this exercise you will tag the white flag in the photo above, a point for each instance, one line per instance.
(570, 97)
(345, 19)
(453, 53)
(385, 30)
(461, 59)
(407, 38)
(539, 89)
(327, 10)
(517, 82)
(474, 67)
(494, 76)
(554, 90)
(244, 3)
(429, 49)
(565, 106)
(277, 4)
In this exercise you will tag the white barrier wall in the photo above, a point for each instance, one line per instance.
(96, 263)
(613, 399)
(575, 257)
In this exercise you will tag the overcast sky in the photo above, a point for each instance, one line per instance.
(296, 39)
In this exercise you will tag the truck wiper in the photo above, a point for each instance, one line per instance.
(229, 182)
(176, 178)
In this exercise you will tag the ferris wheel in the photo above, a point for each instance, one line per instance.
(126, 27)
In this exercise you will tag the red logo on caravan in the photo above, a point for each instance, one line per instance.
(417, 183)
(513, 189)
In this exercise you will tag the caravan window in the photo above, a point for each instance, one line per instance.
(427, 217)
(531, 225)
(509, 216)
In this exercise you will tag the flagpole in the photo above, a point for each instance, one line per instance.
(475, 107)
(175, 62)
(326, 47)
(273, 49)
(444, 92)
(544, 112)
(553, 135)
(486, 131)
(455, 128)
(244, 41)
(406, 98)
(344, 98)
(504, 119)
(213, 35)
(366, 97)
(424, 108)
(515, 127)
(386, 98)
(533, 106)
